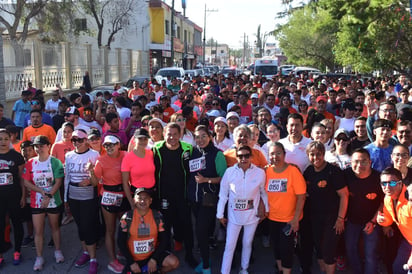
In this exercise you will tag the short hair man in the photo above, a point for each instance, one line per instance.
(38, 128)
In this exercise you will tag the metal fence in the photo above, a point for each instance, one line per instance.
(46, 65)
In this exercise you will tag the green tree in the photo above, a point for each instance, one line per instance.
(308, 37)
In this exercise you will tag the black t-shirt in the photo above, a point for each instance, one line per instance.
(9, 171)
(359, 144)
(365, 196)
(58, 121)
(172, 175)
(408, 180)
(5, 122)
(322, 187)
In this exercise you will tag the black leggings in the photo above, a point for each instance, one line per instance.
(205, 217)
(85, 214)
(10, 204)
(283, 246)
(325, 238)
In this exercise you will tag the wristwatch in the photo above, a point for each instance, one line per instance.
(48, 195)
(209, 181)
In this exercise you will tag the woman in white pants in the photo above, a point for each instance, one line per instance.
(243, 185)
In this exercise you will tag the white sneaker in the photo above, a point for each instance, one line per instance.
(243, 271)
(38, 264)
(58, 255)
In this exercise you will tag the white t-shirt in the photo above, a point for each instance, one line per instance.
(59, 135)
(123, 113)
(52, 105)
(296, 153)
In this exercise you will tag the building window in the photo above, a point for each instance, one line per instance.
(167, 26)
(178, 32)
(222, 51)
(80, 24)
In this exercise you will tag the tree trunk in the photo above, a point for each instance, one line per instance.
(18, 53)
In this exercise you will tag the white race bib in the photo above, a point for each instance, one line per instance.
(6, 178)
(112, 199)
(197, 164)
(243, 204)
(277, 185)
(143, 247)
(43, 182)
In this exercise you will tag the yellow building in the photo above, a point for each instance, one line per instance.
(186, 45)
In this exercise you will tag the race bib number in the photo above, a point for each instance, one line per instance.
(6, 178)
(43, 182)
(143, 247)
(277, 185)
(197, 164)
(112, 199)
(243, 204)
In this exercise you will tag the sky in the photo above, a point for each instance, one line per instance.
(233, 18)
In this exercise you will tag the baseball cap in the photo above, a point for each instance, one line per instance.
(156, 120)
(141, 132)
(324, 82)
(321, 98)
(94, 132)
(341, 131)
(220, 119)
(79, 133)
(254, 96)
(26, 92)
(41, 140)
(143, 189)
(111, 139)
(292, 84)
(232, 114)
(213, 113)
(72, 110)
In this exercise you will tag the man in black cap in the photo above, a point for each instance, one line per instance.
(142, 238)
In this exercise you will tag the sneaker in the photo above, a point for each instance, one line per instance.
(115, 267)
(38, 264)
(243, 271)
(199, 267)
(340, 263)
(58, 255)
(265, 241)
(93, 267)
(83, 260)
(27, 241)
(178, 246)
(67, 219)
(120, 257)
(16, 258)
(51, 243)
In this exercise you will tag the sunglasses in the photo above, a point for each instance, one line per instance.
(34, 103)
(144, 124)
(358, 109)
(109, 145)
(215, 104)
(390, 183)
(88, 112)
(342, 139)
(243, 156)
(400, 155)
(181, 120)
(94, 139)
(68, 114)
(303, 105)
(77, 140)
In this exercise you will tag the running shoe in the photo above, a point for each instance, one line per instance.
(93, 267)
(83, 260)
(58, 255)
(38, 264)
(16, 258)
(340, 263)
(243, 271)
(115, 266)
(27, 241)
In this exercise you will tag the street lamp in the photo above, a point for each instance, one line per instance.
(204, 35)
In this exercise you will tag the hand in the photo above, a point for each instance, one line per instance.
(135, 268)
(223, 221)
(387, 231)
(45, 202)
(23, 201)
(380, 218)
(368, 229)
(339, 226)
(200, 179)
(90, 166)
(85, 182)
(152, 266)
(294, 225)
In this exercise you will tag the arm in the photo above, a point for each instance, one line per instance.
(163, 243)
(223, 197)
(343, 194)
(126, 187)
(294, 223)
(13, 113)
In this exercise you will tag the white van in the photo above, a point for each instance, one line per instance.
(307, 70)
(174, 72)
(266, 67)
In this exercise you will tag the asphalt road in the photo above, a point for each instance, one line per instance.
(263, 258)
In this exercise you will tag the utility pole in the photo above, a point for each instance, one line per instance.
(204, 34)
(244, 49)
(172, 20)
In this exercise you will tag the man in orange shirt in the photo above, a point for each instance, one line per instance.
(321, 107)
(135, 92)
(38, 128)
(242, 135)
(397, 208)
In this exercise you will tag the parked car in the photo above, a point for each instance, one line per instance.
(137, 78)
(174, 72)
(230, 70)
(192, 73)
(306, 70)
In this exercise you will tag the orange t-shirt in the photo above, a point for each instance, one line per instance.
(282, 189)
(31, 132)
(142, 170)
(108, 169)
(16, 146)
(60, 149)
(134, 93)
(258, 159)
(142, 247)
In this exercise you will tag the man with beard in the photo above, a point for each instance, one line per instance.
(263, 120)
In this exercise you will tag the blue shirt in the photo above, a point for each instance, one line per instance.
(21, 109)
(380, 157)
(45, 119)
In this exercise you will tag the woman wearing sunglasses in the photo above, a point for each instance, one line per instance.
(339, 154)
(242, 186)
(82, 197)
(43, 176)
(113, 200)
(400, 156)
(303, 110)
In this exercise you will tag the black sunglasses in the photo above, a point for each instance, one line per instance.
(245, 156)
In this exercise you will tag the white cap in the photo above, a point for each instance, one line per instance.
(111, 139)
(213, 113)
(220, 119)
(324, 82)
(157, 120)
(254, 96)
(232, 114)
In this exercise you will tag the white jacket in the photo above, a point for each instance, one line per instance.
(243, 190)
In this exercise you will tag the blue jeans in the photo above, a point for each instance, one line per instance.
(404, 251)
(352, 234)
